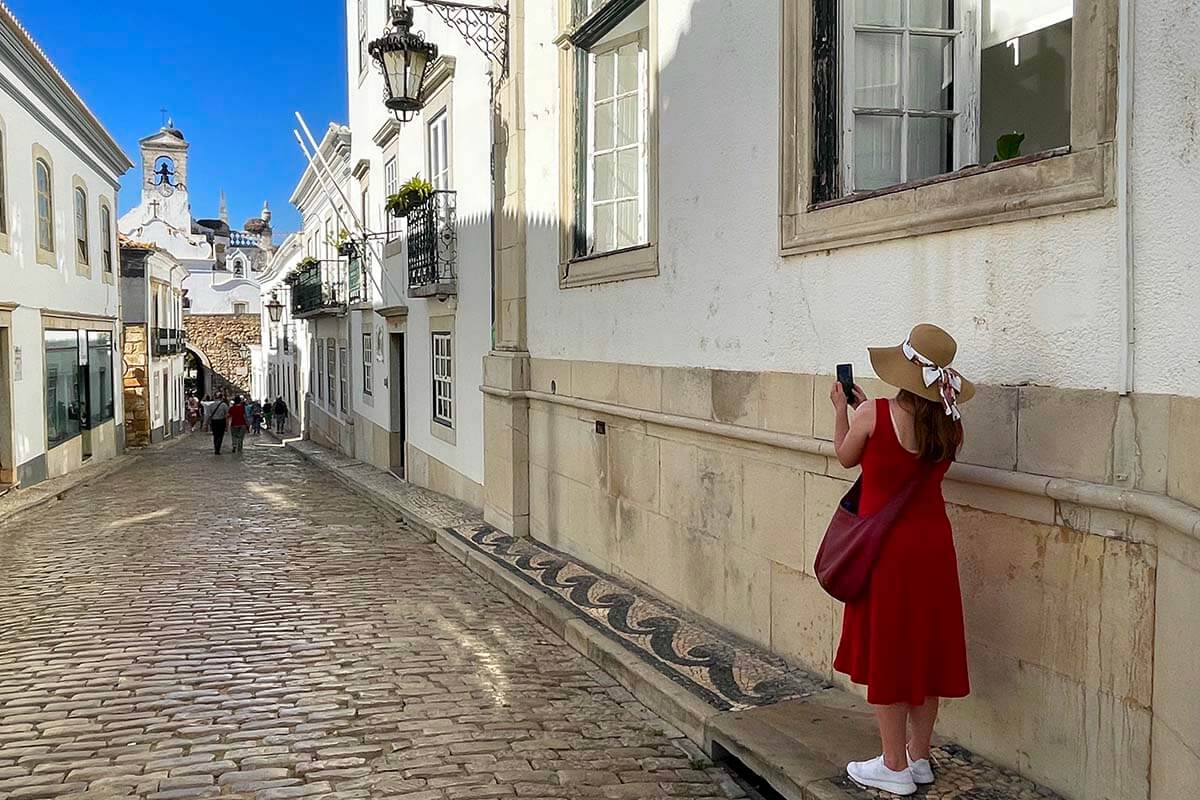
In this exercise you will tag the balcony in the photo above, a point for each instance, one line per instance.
(166, 341)
(433, 246)
(316, 289)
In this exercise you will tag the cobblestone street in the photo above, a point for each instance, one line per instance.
(245, 626)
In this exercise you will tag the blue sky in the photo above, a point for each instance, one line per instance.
(230, 74)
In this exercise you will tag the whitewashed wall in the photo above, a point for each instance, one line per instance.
(36, 286)
(216, 292)
(1036, 301)
(470, 138)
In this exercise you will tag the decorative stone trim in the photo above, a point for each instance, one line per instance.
(1167, 511)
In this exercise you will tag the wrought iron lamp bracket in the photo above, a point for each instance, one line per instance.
(485, 27)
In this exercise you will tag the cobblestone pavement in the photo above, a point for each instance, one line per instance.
(196, 626)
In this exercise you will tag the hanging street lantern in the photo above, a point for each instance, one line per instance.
(404, 58)
(275, 308)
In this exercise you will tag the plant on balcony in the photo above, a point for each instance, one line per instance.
(416, 191)
(308, 261)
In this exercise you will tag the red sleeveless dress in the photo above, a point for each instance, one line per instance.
(904, 639)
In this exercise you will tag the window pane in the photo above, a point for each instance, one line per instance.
(606, 67)
(876, 152)
(627, 68)
(928, 147)
(603, 185)
(63, 406)
(877, 12)
(877, 70)
(627, 119)
(604, 126)
(627, 177)
(628, 233)
(100, 380)
(604, 237)
(931, 73)
(928, 13)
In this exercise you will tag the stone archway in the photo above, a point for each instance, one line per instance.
(197, 370)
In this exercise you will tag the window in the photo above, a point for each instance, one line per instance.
(616, 148)
(240, 308)
(319, 369)
(344, 378)
(391, 185)
(106, 238)
(331, 374)
(609, 188)
(367, 351)
(239, 267)
(362, 36)
(438, 143)
(100, 377)
(3, 183)
(1012, 99)
(330, 252)
(45, 205)
(443, 380)
(64, 398)
(81, 227)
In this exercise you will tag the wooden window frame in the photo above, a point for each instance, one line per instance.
(1076, 178)
(641, 261)
(47, 256)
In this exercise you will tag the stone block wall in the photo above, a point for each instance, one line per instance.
(714, 488)
(221, 339)
(136, 386)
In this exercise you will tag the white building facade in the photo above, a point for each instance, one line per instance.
(60, 380)
(702, 212)
(153, 343)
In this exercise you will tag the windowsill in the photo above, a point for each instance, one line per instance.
(107, 277)
(444, 432)
(46, 257)
(618, 265)
(5, 243)
(83, 269)
(1040, 185)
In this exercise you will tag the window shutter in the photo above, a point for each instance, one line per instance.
(582, 113)
(825, 100)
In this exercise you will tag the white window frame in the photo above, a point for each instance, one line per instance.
(642, 39)
(331, 373)
(438, 159)
(245, 307)
(442, 370)
(79, 210)
(391, 185)
(368, 353)
(965, 114)
(363, 58)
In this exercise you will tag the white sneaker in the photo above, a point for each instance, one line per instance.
(921, 769)
(874, 774)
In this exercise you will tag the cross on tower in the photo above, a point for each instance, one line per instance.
(164, 116)
(154, 207)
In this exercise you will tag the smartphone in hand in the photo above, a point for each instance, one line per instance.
(845, 376)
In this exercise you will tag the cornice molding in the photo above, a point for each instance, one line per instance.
(19, 51)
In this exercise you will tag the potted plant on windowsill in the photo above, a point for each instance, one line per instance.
(346, 247)
(308, 262)
(412, 194)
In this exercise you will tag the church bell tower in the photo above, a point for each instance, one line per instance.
(164, 178)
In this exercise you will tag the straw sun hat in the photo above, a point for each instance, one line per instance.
(921, 365)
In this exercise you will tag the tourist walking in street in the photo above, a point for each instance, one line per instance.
(237, 423)
(280, 414)
(256, 417)
(193, 412)
(903, 638)
(217, 418)
(205, 411)
(266, 410)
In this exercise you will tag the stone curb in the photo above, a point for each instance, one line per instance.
(694, 718)
(40, 495)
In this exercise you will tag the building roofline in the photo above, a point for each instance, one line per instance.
(32, 65)
(336, 138)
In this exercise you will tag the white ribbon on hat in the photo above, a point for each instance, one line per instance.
(948, 381)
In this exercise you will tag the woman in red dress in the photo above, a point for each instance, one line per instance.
(904, 638)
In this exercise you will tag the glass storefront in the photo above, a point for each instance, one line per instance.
(79, 383)
(63, 396)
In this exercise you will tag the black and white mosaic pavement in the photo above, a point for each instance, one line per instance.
(962, 775)
(728, 675)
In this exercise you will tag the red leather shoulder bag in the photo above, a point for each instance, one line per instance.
(852, 542)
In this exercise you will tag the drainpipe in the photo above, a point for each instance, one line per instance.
(1124, 187)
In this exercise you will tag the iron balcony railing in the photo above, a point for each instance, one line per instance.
(315, 288)
(167, 341)
(433, 245)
